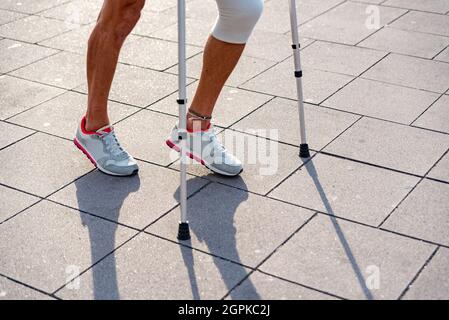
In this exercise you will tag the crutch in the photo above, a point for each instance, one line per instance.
(183, 232)
(304, 147)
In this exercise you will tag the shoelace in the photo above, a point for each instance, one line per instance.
(212, 137)
(111, 141)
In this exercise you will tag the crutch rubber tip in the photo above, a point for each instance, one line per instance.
(304, 151)
(184, 231)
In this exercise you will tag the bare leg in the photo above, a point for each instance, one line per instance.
(116, 21)
(219, 60)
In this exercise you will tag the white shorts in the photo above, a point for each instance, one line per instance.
(236, 19)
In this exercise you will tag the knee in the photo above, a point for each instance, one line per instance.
(121, 19)
(237, 20)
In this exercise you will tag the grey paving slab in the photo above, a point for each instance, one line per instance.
(382, 100)
(12, 202)
(8, 16)
(443, 56)
(266, 162)
(73, 41)
(203, 10)
(197, 32)
(438, 6)
(432, 282)
(340, 58)
(144, 135)
(153, 53)
(30, 6)
(30, 94)
(51, 162)
(223, 222)
(160, 6)
(346, 189)
(181, 272)
(135, 201)
(391, 145)
(318, 85)
(64, 70)
(61, 116)
(423, 22)
(348, 23)
(10, 290)
(131, 85)
(271, 288)
(77, 11)
(232, 105)
(12, 133)
(18, 54)
(423, 214)
(34, 29)
(151, 22)
(441, 169)
(56, 244)
(276, 13)
(282, 115)
(436, 117)
(246, 69)
(349, 260)
(396, 40)
(402, 70)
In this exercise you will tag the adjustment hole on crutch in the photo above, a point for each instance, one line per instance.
(298, 74)
(296, 46)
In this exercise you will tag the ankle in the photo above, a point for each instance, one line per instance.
(93, 124)
(194, 124)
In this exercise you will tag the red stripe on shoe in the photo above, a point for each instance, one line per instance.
(190, 155)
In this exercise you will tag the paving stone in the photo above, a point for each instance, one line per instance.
(181, 272)
(340, 58)
(65, 70)
(423, 214)
(441, 170)
(271, 288)
(346, 189)
(443, 56)
(51, 161)
(153, 53)
(348, 23)
(135, 201)
(18, 54)
(11, 134)
(276, 13)
(160, 5)
(77, 11)
(131, 85)
(318, 85)
(423, 22)
(432, 282)
(62, 115)
(73, 41)
(8, 16)
(197, 32)
(202, 10)
(34, 29)
(266, 163)
(30, 94)
(241, 237)
(436, 117)
(150, 22)
(382, 100)
(144, 135)
(438, 6)
(56, 244)
(12, 202)
(232, 105)
(246, 69)
(344, 258)
(402, 70)
(10, 290)
(396, 40)
(30, 6)
(391, 145)
(282, 115)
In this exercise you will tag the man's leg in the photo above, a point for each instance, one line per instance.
(115, 23)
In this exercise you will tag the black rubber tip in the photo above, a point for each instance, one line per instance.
(184, 231)
(304, 151)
